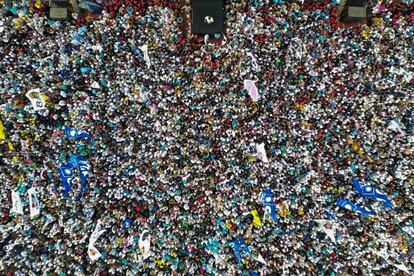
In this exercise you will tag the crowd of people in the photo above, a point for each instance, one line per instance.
(174, 133)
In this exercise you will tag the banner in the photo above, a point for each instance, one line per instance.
(36, 99)
(261, 153)
(268, 199)
(144, 244)
(372, 192)
(250, 86)
(17, 206)
(76, 133)
(33, 202)
(355, 208)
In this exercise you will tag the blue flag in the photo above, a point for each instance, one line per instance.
(355, 208)
(76, 133)
(66, 175)
(236, 248)
(328, 215)
(240, 248)
(82, 165)
(372, 192)
(126, 223)
(268, 200)
(244, 247)
(83, 188)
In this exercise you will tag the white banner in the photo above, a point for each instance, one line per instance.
(17, 206)
(33, 202)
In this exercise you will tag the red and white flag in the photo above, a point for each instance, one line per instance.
(33, 203)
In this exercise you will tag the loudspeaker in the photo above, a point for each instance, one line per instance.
(58, 14)
(207, 16)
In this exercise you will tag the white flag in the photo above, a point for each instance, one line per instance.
(33, 202)
(144, 244)
(403, 268)
(250, 86)
(17, 203)
(254, 61)
(36, 99)
(384, 254)
(93, 253)
(96, 233)
(144, 50)
(394, 126)
(326, 227)
(261, 153)
(259, 258)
